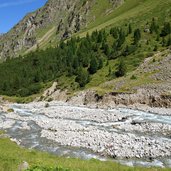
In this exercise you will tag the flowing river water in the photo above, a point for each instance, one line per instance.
(26, 123)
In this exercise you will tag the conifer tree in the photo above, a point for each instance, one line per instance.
(129, 29)
(82, 77)
(153, 27)
(106, 49)
(137, 36)
(166, 29)
(121, 70)
(169, 41)
(93, 65)
(100, 63)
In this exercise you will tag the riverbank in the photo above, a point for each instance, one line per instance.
(144, 136)
(12, 156)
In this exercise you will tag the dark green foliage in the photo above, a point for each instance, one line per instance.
(100, 63)
(133, 77)
(93, 65)
(121, 69)
(82, 77)
(169, 41)
(110, 71)
(77, 58)
(106, 49)
(158, 37)
(155, 48)
(137, 36)
(121, 38)
(129, 29)
(94, 36)
(129, 50)
(114, 32)
(163, 41)
(166, 29)
(154, 27)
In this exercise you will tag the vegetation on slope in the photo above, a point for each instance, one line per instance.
(78, 59)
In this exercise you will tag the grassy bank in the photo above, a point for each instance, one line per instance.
(11, 156)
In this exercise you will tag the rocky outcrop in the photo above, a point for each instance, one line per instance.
(142, 96)
(67, 17)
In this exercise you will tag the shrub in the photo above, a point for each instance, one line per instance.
(50, 99)
(121, 70)
(133, 77)
(10, 110)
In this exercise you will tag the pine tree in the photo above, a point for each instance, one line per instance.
(100, 63)
(155, 48)
(158, 37)
(99, 37)
(126, 51)
(110, 71)
(169, 41)
(154, 27)
(121, 39)
(16, 83)
(137, 36)
(4, 86)
(93, 65)
(94, 36)
(129, 29)
(166, 29)
(121, 70)
(114, 32)
(75, 64)
(82, 77)
(106, 50)
(163, 42)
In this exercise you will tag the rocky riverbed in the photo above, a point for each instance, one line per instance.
(121, 133)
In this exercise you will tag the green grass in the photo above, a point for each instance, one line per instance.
(101, 16)
(11, 156)
(15, 99)
(41, 32)
(135, 11)
(132, 11)
(98, 9)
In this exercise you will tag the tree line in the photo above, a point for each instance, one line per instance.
(78, 57)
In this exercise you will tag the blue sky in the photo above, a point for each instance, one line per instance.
(12, 11)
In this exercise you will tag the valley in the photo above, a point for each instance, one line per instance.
(85, 85)
(72, 131)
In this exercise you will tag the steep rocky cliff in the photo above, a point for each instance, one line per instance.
(58, 19)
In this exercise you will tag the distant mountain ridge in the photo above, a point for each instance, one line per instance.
(58, 19)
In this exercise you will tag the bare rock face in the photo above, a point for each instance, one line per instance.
(67, 17)
(143, 96)
(53, 93)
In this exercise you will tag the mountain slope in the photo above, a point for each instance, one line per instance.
(58, 19)
(76, 16)
(104, 60)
